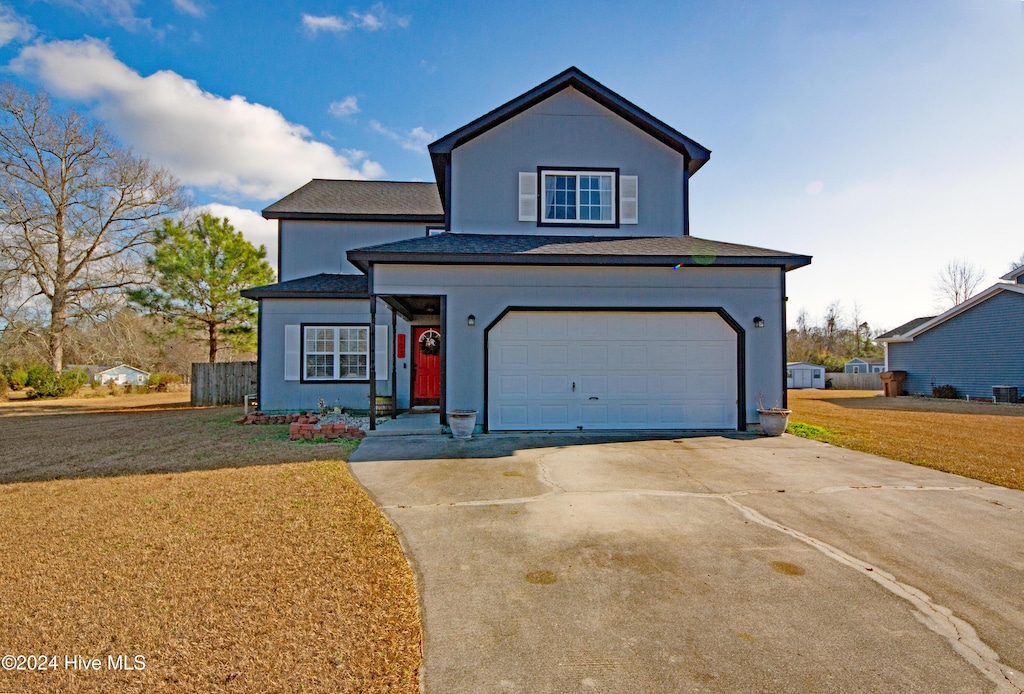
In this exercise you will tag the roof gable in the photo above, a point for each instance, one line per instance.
(926, 325)
(696, 155)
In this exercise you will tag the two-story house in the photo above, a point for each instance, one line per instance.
(547, 279)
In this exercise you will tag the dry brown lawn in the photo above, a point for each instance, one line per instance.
(977, 440)
(239, 563)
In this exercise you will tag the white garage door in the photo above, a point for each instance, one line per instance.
(611, 370)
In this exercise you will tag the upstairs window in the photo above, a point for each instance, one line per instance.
(578, 197)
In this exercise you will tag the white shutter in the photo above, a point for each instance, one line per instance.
(380, 353)
(292, 352)
(527, 197)
(628, 208)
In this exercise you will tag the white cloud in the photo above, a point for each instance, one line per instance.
(374, 19)
(814, 187)
(256, 230)
(348, 106)
(228, 146)
(120, 12)
(188, 7)
(13, 27)
(314, 24)
(415, 140)
(379, 17)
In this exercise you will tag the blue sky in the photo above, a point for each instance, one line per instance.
(882, 138)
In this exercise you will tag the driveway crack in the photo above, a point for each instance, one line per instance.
(959, 633)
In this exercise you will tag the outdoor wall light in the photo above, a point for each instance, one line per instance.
(471, 321)
(758, 322)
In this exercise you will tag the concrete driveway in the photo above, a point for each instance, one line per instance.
(551, 563)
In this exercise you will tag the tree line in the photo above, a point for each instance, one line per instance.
(102, 255)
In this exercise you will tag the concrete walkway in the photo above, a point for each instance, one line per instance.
(706, 564)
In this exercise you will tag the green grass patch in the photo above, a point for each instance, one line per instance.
(809, 431)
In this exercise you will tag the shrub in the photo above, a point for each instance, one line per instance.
(946, 392)
(116, 389)
(49, 384)
(16, 378)
(3, 385)
(160, 381)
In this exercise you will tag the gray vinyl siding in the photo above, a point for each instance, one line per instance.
(131, 373)
(309, 247)
(566, 130)
(486, 291)
(277, 394)
(980, 348)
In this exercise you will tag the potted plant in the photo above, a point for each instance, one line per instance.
(774, 419)
(462, 423)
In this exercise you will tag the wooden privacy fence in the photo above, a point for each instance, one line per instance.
(223, 383)
(842, 381)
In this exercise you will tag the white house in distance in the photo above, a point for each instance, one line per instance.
(802, 374)
(122, 375)
(563, 292)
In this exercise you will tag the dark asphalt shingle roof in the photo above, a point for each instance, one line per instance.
(598, 250)
(334, 199)
(905, 328)
(324, 285)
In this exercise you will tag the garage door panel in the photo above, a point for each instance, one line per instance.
(591, 355)
(594, 415)
(548, 327)
(554, 385)
(513, 385)
(550, 355)
(590, 385)
(642, 369)
(553, 416)
(592, 326)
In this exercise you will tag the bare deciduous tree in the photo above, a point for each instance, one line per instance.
(76, 213)
(956, 283)
(1019, 262)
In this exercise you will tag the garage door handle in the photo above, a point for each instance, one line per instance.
(593, 398)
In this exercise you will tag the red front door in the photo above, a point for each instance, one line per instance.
(426, 366)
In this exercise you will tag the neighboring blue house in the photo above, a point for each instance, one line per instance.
(566, 294)
(865, 365)
(972, 347)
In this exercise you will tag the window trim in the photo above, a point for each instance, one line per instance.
(577, 171)
(302, 352)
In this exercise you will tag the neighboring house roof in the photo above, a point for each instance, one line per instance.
(803, 363)
(322, 286)
(511, 249)
(360, 200)
(867, 360)
(90, 369)
(905, 328)
(122, 366)
(927, 324)
(1014, 275)
(440, 151)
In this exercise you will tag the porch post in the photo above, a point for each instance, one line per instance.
(373, 349)
(394, 364)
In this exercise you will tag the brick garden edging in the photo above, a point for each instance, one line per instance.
(303, 426)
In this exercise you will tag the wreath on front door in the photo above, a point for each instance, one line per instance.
(430, 343)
